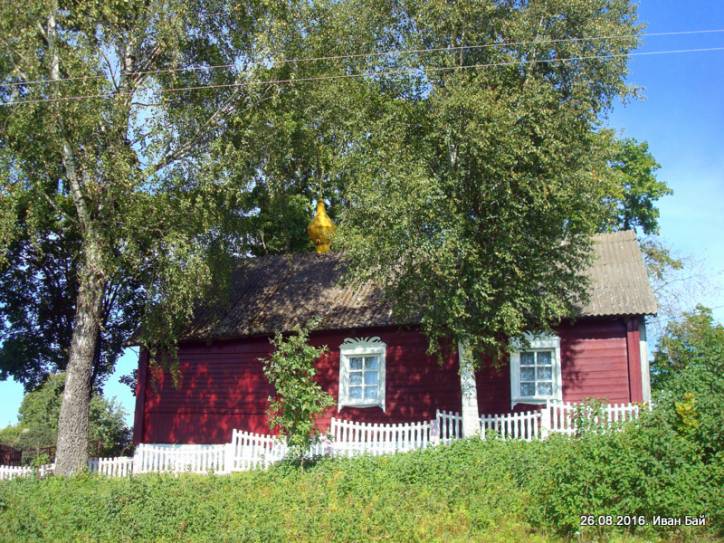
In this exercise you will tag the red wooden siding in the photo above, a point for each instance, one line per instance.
(493, 386)
(221, 386)
(594, 363)
(416, 384)
(141, 380)
(594, 360)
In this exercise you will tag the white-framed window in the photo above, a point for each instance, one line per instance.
(535, 370)
(362, 373)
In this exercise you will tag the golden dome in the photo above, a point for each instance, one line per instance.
(321, 229)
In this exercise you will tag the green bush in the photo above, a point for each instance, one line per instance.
(688, 374)
(470, 491)
(298, 399)
(646, 469)
(452, 493)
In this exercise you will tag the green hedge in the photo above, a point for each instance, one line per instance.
(472, 490)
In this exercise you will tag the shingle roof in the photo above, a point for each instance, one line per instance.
(278, 292)
(619, 283)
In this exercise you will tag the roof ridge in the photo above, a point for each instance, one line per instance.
(617, 235)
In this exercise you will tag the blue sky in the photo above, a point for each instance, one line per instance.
(682, 118)
(681, 115)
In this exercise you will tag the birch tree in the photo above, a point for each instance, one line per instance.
(144, 144)
(98, 140)
(475, 203)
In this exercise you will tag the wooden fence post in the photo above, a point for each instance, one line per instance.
(228, 457)
(137, 455)
(545, 421)
(434, 431)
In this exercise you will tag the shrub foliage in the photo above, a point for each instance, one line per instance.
(472, 490)
(298, 399)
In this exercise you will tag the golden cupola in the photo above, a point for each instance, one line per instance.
(321, 229)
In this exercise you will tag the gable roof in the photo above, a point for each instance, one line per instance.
(619, 282)
(279, 292)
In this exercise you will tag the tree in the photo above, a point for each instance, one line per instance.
(473, 203)
(632, 205)
(686, 377)
(634, 170)
(305, 133)
(144, 145)
(118, 174)
(173, 168)
(297, 399)
(118, 133)
(692, 340)
(37, 307)
(38, 421)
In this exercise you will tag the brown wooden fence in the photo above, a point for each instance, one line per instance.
(10, 456)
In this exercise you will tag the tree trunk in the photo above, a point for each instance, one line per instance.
(71, 454)
(468, 391)
(72, 448)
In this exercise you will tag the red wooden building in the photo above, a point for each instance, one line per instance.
(377, 369)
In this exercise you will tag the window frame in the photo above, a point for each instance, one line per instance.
(359, 347)
(536, 344)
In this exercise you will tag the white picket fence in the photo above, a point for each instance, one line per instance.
(156, 458)
(526, 425)
(119, 466)
(251, 451)
(11, 472)
(450, 426)
(349, 438)
(554, 417)
(248, 450)
(566, 418)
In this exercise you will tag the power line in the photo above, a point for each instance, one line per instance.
(366, 74)
(377, 54)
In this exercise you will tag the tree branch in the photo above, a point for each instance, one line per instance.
(183, 149)
(68, 157)
(58, 209)
(116, 85)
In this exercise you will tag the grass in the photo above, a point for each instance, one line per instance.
(470, 491)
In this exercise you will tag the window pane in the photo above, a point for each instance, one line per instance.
(527, 358)
(355, 393)
(371, 362)
(544, 358)
(371, 377)
(355, 378)
(355, 363)
(370, 393)
(527, 389)
(545, 373)
(545, 389)
(527, 374)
